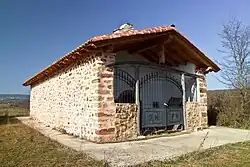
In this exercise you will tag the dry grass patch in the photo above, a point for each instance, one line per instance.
(228, 155)
(21, 146)
(7, 109)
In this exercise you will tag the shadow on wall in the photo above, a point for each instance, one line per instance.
(212, 114)
(127, 96)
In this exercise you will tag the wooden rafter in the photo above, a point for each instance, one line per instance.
(171, 57)
(147, 48)
(191, 58)
(149, 57)
(167, 61)
(171, 54)
(150, 44)
(191, 53)
(161, 54)
(146, 57)
(175, 49)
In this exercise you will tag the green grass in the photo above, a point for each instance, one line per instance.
(21, 146)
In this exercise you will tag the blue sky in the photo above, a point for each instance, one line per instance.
(33, 34)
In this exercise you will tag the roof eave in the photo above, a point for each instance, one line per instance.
(211, 63)
(105, 40)
(65, 60)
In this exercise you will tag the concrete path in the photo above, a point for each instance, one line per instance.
(131, 153)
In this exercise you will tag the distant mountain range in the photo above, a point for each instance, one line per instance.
(14, 97)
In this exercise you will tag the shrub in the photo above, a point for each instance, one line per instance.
(224, 109)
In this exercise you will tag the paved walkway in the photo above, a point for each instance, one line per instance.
(131, 153)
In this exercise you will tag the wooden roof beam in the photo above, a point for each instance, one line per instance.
(191, 53)
(174, 58)
(169, 62)
(146, 48)
(181, 54)
(108, 49)
(151, 44)
(149, 57)
(161, 54)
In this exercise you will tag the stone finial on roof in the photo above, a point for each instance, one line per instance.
(124, 27)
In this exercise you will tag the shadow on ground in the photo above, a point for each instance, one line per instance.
(8, 120)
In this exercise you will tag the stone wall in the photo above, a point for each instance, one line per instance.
(197, 111)
(196, 115)
(125, 121)
(80, 101)
(71, 100)
(118, 126)
(203, 89)
(107, 110)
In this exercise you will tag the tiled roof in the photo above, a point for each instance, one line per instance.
(131, 33)
(74, 54)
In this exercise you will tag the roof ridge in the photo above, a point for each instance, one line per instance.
(132, 32)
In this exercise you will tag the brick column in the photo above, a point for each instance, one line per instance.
(107, 109)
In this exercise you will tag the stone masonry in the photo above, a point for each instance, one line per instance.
(115, 120)
(197, 111)
(79, 100)
(126, 121)
(70, 100)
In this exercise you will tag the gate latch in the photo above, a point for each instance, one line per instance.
(165, 104)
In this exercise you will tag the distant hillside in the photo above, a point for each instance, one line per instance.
(220, 90)
(211, 93)
(14, 97)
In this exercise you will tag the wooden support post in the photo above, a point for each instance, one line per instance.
(184, 100)
(137, 100)
(161, 54)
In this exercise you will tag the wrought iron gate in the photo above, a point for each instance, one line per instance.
(160, 95)
(161, 101)
(124, 85)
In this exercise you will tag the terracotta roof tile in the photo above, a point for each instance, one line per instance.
(130, 33)
(71, 56)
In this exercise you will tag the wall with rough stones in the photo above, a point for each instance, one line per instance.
(125, 121)
(121, 125)
(197, 111)
(72, 99)
(80, 101)
(196, 115)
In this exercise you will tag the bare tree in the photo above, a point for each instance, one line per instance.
(235, 64)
